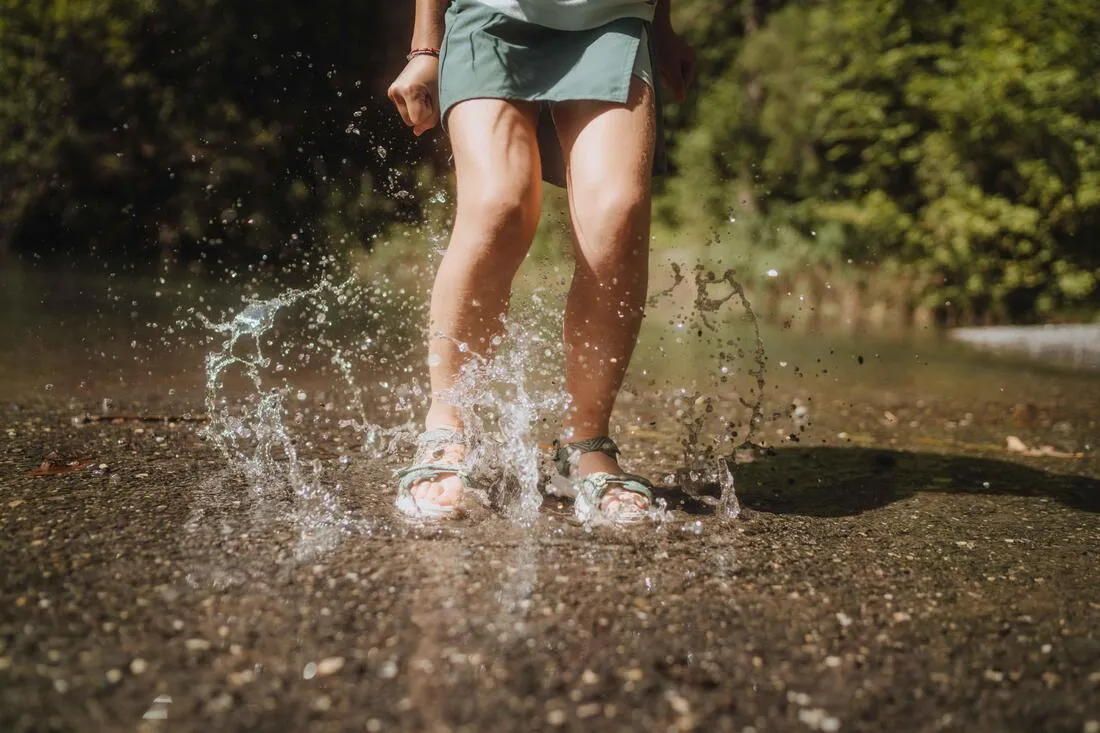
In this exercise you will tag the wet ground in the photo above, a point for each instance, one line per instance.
(918, 551)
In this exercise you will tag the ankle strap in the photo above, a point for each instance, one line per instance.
(566, 454)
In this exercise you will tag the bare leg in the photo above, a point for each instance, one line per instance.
(499, 178)
(609, 149)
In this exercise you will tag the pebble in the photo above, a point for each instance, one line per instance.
(138, 666)
(197, 645)
(678, 702)
(843, 619)
(556, 717)
(589, 677)
(589, 710)
(1091, 726)
(331, 665)
(220, 704)
(114, 676)
(388, 670)
(374, 725)
(241, 678)
(832, 661)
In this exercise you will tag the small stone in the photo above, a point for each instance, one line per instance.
(138, 666)
(1091, 726)
(556, 717)
(5, 663)
(331, 665)
(114, 676)
(589, 710)
(830, 725)
(843, 619)
(241, 678)
(309, 671)
(832, 661)
(589, 677)
(678, 702)
(61, 686)
(388, 670)
(374, 725)
(197, 645)
(323, 703)
(993, 675)
(634, 674)
(220, 704)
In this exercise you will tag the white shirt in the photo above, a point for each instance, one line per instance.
(573, 15)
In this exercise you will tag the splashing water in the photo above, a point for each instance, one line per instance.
(353, 346)
(262, 414)
(710, 417)
(503, 400)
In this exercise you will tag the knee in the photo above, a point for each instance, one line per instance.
(504, 207)
(614, 227)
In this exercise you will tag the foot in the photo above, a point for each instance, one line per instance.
(433, 486)
(615, 501)
(444, 489)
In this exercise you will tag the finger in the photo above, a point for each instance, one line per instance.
(679, 91)
(420, 105)
(402, 108)
(687, 70)
(671, 82)
(423, 127)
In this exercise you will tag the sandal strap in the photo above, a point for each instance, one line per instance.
(596, 485)
(427, 471)
(438, 437)
(566, 454)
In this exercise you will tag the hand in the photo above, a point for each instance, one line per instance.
(414, 93)
(677, 62)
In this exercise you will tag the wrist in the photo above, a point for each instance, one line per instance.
(430, 51)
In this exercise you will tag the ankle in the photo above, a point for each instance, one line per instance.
(596, 462)
(443, 416)
(579, 432)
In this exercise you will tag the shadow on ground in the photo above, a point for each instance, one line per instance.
(845, 481)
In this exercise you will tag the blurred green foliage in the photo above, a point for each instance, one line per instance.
(958, 142)
(214, 129)
(954, 142)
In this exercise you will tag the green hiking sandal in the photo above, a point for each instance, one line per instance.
(591, 489)
(428, 465)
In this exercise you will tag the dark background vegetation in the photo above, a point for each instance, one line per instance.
(952, 147)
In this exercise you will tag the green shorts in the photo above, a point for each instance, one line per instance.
(486, 54)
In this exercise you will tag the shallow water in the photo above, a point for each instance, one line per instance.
(230, 544)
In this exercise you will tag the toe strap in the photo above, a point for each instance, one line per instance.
(428, 471)
(596, 485)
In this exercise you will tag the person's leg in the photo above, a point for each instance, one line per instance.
(499, 181)
(609, 154)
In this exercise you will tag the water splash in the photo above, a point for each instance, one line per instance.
(279, 404)
(714, 432)
(503, 400)
(311, 375)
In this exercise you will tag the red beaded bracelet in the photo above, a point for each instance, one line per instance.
(422, 52)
